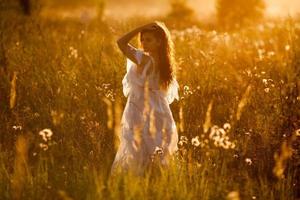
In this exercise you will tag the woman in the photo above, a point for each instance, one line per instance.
(147, 123)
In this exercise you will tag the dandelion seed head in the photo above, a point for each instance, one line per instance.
(158, 151)
(17, 127)
(226, 145)
(221, 132)
(297, 132)
(43, 146)
(46, 134)
(183, 138)
(73, 52)
(265, 81)
(248, 161)
(247, 133)
(232, 146)
(227, 126)
(195, 141)
(267, 90)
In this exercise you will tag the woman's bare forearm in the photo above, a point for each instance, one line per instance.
(125, 39)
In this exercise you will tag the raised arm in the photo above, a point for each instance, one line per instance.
(127, 49)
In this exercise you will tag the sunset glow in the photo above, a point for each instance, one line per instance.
(203, 8)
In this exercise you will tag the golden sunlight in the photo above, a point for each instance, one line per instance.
(282, 7)
(203, 8)
(150, 99)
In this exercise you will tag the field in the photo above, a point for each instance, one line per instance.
(61, 101)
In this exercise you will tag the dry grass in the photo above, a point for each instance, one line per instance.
(239, 102)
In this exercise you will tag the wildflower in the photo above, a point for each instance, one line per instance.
(186, 90)
(158, 151)
(222, 132)
(267, 90)
(232, 146)
(183, 140)
(227, 126)
(17, 127)
(195, 141)
(73, 52)
(213, 132)
(248, 161)
(44, 146)
(265, 81)
(297, 132)
(226, 144)
(216, 143)
(156, 154)
(46, 134)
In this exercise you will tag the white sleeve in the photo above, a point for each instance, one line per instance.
(138, 54)
(173, 91)
(131, 77)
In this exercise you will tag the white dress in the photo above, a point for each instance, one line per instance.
(147, 123)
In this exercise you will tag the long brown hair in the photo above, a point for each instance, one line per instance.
(166, 62)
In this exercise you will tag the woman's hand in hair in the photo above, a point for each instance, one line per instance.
(151, 25)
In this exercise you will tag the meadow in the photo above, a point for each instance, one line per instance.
(61, 103)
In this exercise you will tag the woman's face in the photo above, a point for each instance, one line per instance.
(149, 42)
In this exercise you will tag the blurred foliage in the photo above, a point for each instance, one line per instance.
(181, 15)
(234, 14)
(25, 7)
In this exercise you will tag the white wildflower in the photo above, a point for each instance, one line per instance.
(195, 141)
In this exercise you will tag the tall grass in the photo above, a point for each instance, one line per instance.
(239, 101)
